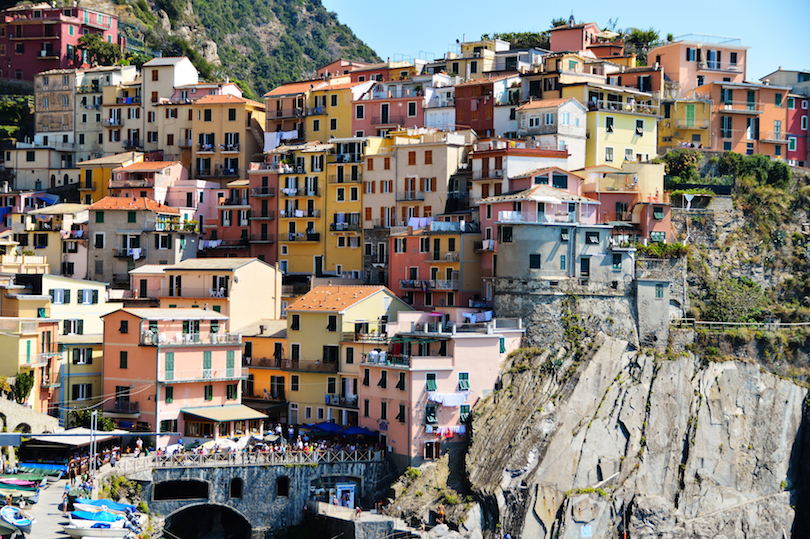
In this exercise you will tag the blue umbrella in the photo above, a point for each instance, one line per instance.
(356, 430)
(326, 426)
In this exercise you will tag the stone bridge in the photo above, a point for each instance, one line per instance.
(18, 418)
(268, 491)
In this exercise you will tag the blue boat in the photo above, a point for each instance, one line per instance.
(99, 516)
(85, 504)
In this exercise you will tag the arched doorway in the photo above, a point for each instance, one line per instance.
(207, 520)
(25, 428)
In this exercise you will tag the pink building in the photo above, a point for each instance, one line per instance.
(178, 371)
(797, 113)
(147, 179)
(693, 60)
(419, 390)
(40, 37)
(388, 105)
(574, 37)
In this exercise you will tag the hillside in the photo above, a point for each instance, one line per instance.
(262, 43)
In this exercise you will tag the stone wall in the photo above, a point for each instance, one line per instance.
(16, 417)
(260, 505)
(373, 271)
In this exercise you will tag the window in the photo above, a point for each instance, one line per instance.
(725, 126)
(559, 181)
(506, 234)
(366, 377)
(430, 381)
(232, 115)
(333, 100)
(428, 157)
(132, 217)
(659, 291)
(464, 413)
(548, 118)
(333, 124)
(231, 392)
(383, 383)
(565, 118)
(122, 359)
(98, 240)
(332, 323)
(208, 392)
(658, 237)
(124, 327)
(82, 392)
(804, 122)
(316, 125)
(592, 238)
(387, 163)
(341, 194)
(401, 382)
(628, 154)
(534, 261)
(295, 382)
(617, 262)
(349, 355)
(749, 148)
(733, 59)
(354, 194)
(658, 212)
(207, 115)
(383, 410)
(463, 381)
(295, 322)
(608, 155)
(778, 99)
(640, 127)
(609, 124)
(400, 245)
(99, 216)
(430, 414)
(562, 262)
(401, 413)
(169, 394)
(155, 74)
(792, 144)
(473, 67)
(411, 109)
(366, 406)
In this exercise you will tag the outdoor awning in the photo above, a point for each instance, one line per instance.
(546, 199)
(77, 437)
(46, 197)
(220, 414)
(620, 224)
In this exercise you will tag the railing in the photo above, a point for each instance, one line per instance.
(741, 106)
(483, 245)
(128, 100)
(50, 383)
(627, 106)
(206, 148)
(616, 216)
(18, 326)
(124, 252)
(429, 284)
(442, 256)
(314, 111)
(198, 460)
(350, 336)
(300, 236)
(123, 407)
(778, 137)
(121, 184)
(691, 123)
(229, 147)
(288, 113)
(356, 178)
(721, 326)
(378, 358)
(263, 192)
(714, 65)
(299, 214)
(518, 217)
(309, 365)
(183, 339)
(201, 375)
(133, 143)
(294, 289)
(269, 215)
(233, 202)
(439, 103)
(345, 227)
(302, 192)
(348, 158)
(391, 119)
(184, 143)
(410, 195)
(263, 238)
(112, 122)
(200, 292)
(342, 401)
(394, 230)
(487, 174)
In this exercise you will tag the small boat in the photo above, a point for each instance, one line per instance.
(78, 533)
(84, 504)
(17, 517)
(96, 516)
(80, 523)
(17, 495)
(18, 482)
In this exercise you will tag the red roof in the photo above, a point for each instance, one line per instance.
(545, 103)
(149, 166)
(132, 204)
(226, 100)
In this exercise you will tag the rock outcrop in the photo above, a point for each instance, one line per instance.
(616, 439)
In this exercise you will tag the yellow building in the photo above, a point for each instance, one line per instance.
(329, 114)
(685, 122)
(97, 173)
(301, 228)
(622, 123)
(81, 373)
(229, 132)
(268, 385)
(328, 331)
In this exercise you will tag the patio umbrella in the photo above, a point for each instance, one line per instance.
(357, 431)
(326, 426)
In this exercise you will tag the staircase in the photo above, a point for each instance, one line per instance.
(258, 132)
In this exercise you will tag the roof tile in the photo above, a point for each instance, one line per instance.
(123, 203)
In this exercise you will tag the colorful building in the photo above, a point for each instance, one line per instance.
(487, 105)
(555, 124)
(268, 384)
(685, 123)
(330, 112)
(58, 233)
(798, 141)
(97, 173)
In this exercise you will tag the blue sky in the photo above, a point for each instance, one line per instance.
(427, 29)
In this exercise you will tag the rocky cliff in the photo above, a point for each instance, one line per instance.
(662, 445)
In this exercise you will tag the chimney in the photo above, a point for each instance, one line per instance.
(261, 330)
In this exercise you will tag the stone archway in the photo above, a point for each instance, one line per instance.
(204, 519)
(24, 428)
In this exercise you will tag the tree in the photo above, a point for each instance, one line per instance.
(640, 42)
(23, 384)
(82, 418)
(99, 52)
(562, 21)
(734, 300)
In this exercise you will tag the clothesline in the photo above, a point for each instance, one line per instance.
(449, 399)
(446, 432)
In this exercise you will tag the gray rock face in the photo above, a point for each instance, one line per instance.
(668, 447)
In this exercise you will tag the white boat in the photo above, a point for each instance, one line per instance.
(17, 518)
(81, 523)
(78, 533)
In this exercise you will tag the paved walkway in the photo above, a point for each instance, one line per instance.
(47, 512)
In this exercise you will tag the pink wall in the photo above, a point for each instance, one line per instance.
(794, 128)
(573, 39)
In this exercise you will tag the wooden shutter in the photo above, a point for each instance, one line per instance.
(421, 184)
(89, 352)
(67, 296)
(75, 361)
(95, 296)
(80, 327)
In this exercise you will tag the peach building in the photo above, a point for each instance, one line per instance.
(419, 386)
(176, 370)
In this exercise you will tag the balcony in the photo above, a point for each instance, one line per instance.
(691, 123)
(409, 284)
(299, 214)
(272, 394)
(262, 238)
(384, 358)
(50, 383)
(404, 196)
(391, 119)
(343, 401)
(133, 144)
(300, 236)
(149, 338)
(484, 246)
(309, 365)
(296, 192)
(259, 216)
(316, 111)
(741, 107)
(442, 256)
(206, 148)
(184, 143)
(489, 174)
(518, 217)
(263, 192)
(629, 106)
(773, 137)
(204, 375)
(122, 184)
(713, 65)
(287, 113)
(127, 252)
(349, 336)
(240, 243)
(348, 158)
(48, 54)
(122, 407)
(345, 227)
(334, 178)
(199, 292)
(128, 100)
(233, 202)
(229, 148)
(218, 172)
(112, 122)
(437, 103)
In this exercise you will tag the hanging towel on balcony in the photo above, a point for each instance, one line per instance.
(271, 140)
(449, 399)
(136, 254)
(299, 213)
(289, 135)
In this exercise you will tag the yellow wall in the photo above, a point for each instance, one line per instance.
(676, 129)
(342, 113)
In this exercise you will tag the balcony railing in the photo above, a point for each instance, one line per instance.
(205, 148)
(409, 284)
(345, 227)
(199, 292)
(691, 123)
(184, 143)
(298, 214)
(484, 246)
(391, 119)
(384, 358)
(263, 238)
(714, 65)
(439, 103)
(112, 122)
(229, 147)
(442, 256)
(125, 252)
(122, 407)
(348, 158)
(263, 192)
(203, 375)
(410, 195)
(271, 394)
(233, 202)
(315, 111)
(518, 217)
(128, 100)
(122, 184)
(309, 365)
(299, 192)
(492, 173)
(287, 113)
(300, 236)
(629, 105)
(218, 172)
(742, 107)
(356, 178)
(775, 137)
(149, 338)
(133, 143)
(344, 401)
(263, 215)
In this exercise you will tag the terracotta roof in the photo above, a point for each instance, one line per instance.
(342, 86)
(226, 100)
(295, 88)
(148, 166)
(488, 80)
(545, 103)
(567, 27)
(333, 298)
(123, 203)
(539, 191)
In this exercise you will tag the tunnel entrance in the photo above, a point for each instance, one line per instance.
(180, 490)
(208, 522)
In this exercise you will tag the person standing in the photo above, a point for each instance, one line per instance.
(72, 475)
